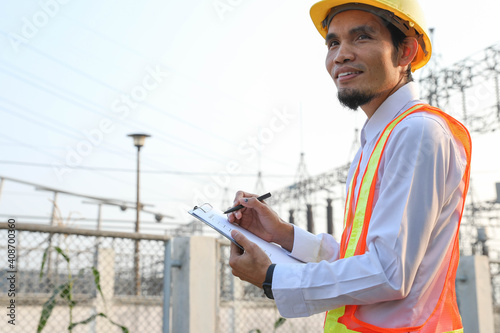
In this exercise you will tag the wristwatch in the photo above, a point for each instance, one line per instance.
(268, 282)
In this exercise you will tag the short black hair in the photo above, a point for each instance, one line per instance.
(398, 38)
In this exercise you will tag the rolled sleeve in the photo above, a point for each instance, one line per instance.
(308, 247)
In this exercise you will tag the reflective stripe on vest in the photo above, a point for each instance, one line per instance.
(445, 318)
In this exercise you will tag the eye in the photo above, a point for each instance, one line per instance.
(363, 37)
(332, 43)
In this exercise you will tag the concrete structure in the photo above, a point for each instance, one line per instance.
(474, 293)
(195, 285)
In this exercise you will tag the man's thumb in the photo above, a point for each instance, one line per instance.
(240, 238)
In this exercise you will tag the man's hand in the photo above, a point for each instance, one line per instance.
(258, 218)
(250, 265)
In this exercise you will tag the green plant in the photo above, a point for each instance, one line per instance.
(280, 321)
(65, 291)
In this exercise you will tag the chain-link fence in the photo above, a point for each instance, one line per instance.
(63, 279)
(90, 274)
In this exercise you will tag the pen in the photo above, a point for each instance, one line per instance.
(235, 208)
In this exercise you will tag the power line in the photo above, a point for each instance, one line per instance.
(170, 69)
(173, 172)
(79, 101)
(89, 219)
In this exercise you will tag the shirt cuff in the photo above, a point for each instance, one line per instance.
(306, 246)
(287, 290)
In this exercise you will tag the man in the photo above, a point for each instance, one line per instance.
(394, 268)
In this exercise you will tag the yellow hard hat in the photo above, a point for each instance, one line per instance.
(405, 15)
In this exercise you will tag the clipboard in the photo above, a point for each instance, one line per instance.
(217, 220)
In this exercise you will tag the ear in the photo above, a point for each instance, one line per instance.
(407, 51)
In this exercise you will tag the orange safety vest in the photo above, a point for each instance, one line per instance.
(445, 318)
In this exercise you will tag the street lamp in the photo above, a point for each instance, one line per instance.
(139, 139)
(138, 142)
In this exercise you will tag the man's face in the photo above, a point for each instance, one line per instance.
(361, 59)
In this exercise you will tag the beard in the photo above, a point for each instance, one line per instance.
(353, 99)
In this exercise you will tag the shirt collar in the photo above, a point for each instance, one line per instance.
(404, 98)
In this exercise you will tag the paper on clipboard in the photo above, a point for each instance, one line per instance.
(218, 221)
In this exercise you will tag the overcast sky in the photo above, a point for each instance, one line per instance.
(225, 89)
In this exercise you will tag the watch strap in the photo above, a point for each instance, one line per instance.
(268, 282)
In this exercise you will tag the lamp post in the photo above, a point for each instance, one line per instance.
(139, 139)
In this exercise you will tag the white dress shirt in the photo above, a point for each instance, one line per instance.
(416, 212)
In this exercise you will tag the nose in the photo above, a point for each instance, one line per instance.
(339, 55)
(343, 53)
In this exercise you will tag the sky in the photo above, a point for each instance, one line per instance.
(225, 88)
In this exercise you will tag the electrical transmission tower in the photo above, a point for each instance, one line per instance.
(300, 196)
(259, 185)
(471, 84)
(331, 182)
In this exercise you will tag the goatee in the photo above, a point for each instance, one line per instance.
(354, 98)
